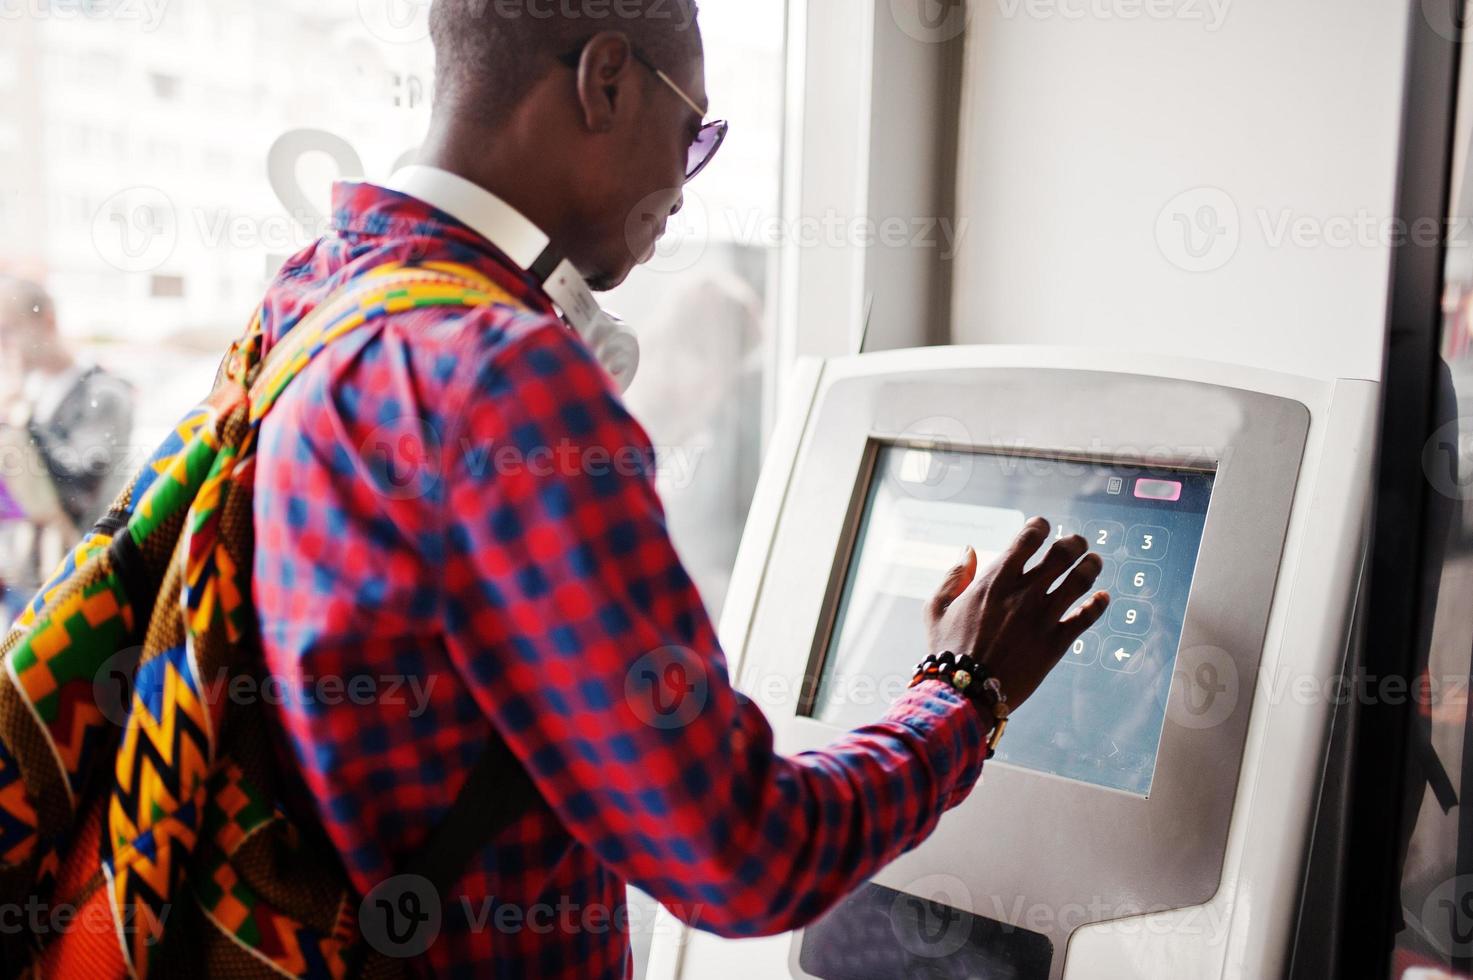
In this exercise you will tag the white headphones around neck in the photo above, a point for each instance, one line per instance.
(612, 342)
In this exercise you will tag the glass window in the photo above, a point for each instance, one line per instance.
(1435, 935)
(702, 304)
(162, 160)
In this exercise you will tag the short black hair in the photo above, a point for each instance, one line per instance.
(490, 53)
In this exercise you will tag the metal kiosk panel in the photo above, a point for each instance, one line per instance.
(1029, 849)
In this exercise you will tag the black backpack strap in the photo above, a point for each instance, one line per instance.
(497, 792)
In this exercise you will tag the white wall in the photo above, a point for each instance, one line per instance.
(1093, 128)
(870, 179)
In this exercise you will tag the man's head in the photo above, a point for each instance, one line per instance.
(28, 336)
(559, 107)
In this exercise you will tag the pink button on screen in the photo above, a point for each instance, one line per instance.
(1169, 490)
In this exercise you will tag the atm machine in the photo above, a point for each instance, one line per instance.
(1149, 810)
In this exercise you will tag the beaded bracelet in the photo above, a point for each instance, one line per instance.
(973, 681)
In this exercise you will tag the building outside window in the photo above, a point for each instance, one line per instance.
(163, 160)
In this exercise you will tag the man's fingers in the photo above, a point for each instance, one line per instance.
(1025, 545)
(957, 579)
(1064, 553)
(969, 566)
(1084, 617)
(960, 576)
(1076, 583)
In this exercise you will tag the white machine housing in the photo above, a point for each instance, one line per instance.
(1211, 884)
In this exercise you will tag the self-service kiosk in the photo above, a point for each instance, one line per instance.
(1149, 809)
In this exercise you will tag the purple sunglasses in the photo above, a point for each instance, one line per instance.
(711, 135)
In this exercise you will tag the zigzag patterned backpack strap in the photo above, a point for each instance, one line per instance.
(69, 659)
(214, 583)
(385, 290)
(170, 744)
(84, 628)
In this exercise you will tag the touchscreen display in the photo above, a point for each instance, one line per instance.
(1098, 717)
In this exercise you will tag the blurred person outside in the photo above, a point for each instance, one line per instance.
(65, 425)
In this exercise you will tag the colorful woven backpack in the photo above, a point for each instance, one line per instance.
(140, 817)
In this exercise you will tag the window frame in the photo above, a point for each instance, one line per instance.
(1368, 893)
(869, 135)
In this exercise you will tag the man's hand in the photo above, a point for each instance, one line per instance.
(1008, 619)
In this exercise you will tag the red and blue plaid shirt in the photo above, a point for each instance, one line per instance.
(457, 528)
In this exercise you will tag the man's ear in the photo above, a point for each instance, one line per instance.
(605, 74)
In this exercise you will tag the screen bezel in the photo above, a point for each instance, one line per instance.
(864, 483)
